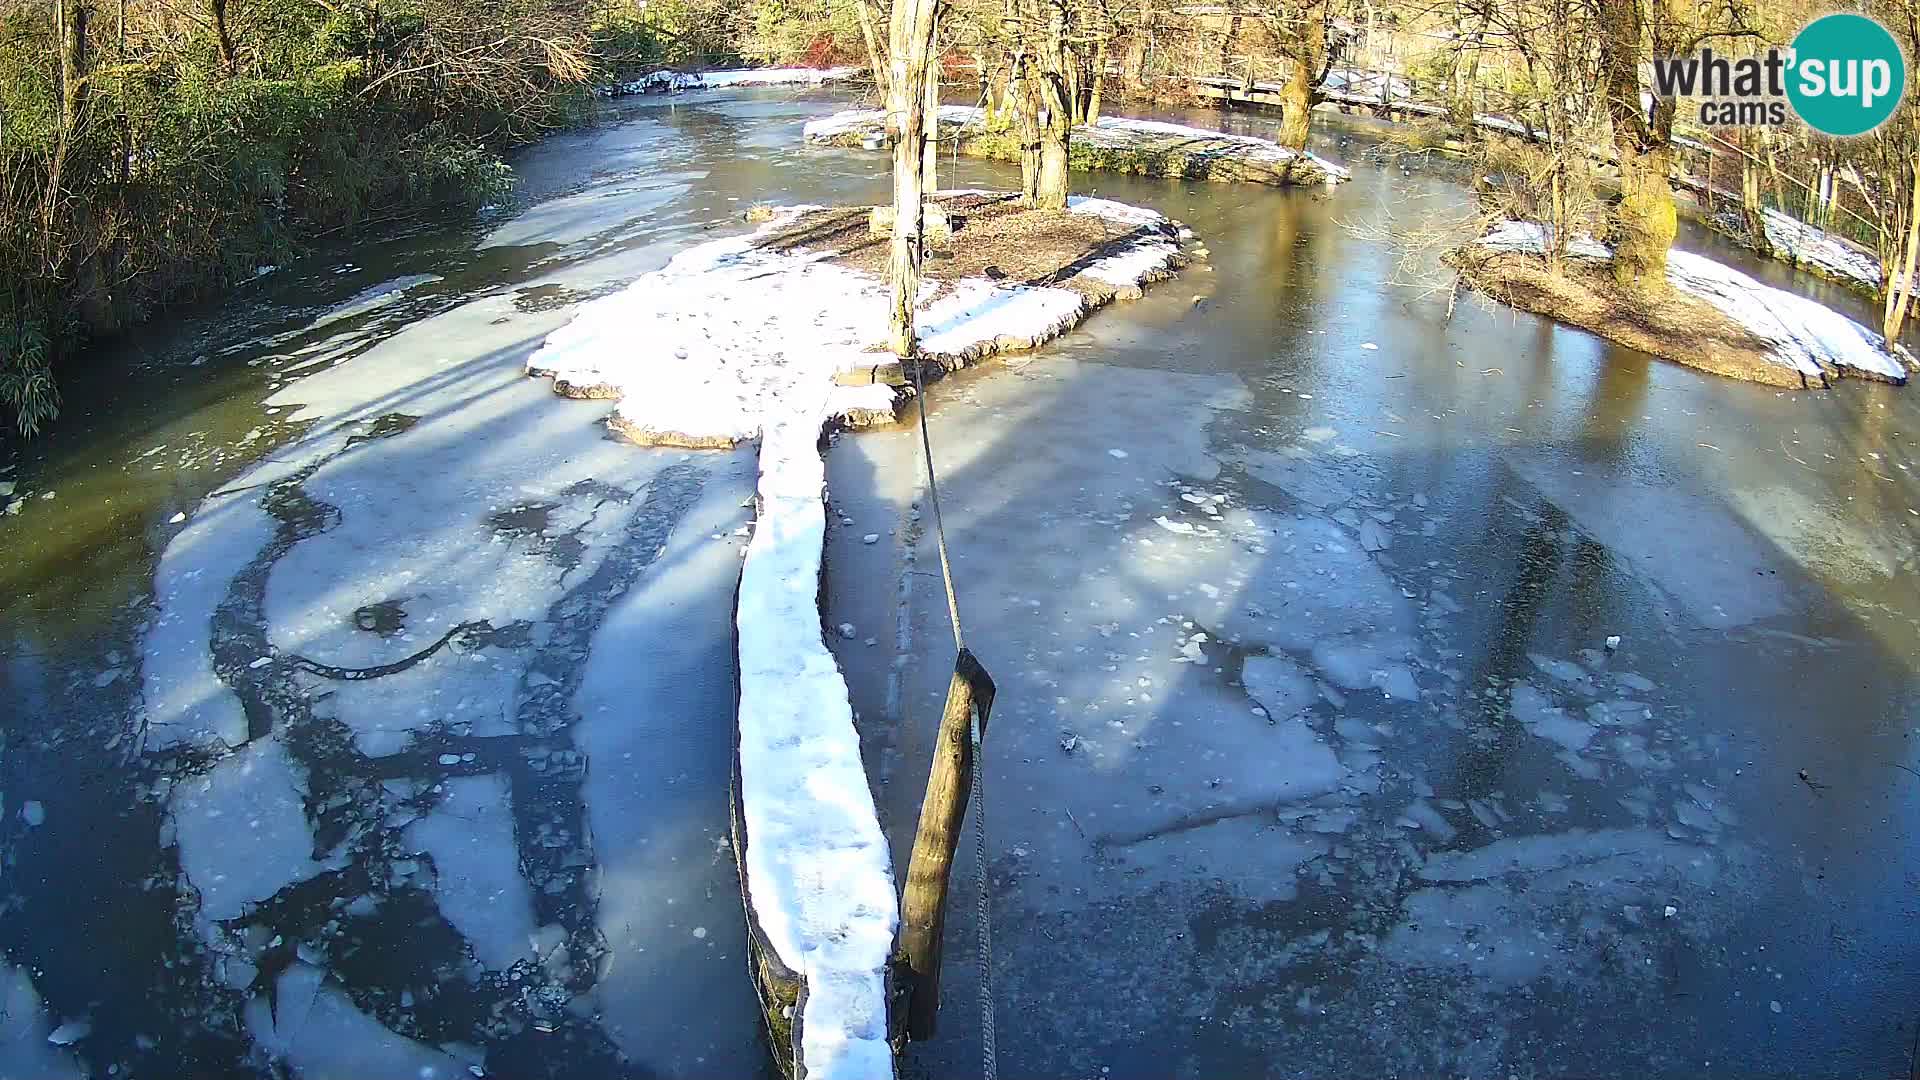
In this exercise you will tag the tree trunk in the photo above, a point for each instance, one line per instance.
(1070, 70)
(1137, 41)
(1055, 113)
(1099, 81)
(1752, 208)
(1050, 185)
(930, 160)
(70, 28)
(1026, 115)
(910, 44)
(1644, 220)
(1900, 286)
(1296, 105)
(1305, 55)
(222, 36)
(1227, 43)
(869, 33)
(74, 15)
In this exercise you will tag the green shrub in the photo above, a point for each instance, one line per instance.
(182, 171)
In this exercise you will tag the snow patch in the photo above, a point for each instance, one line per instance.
(1108, 132)
(1808, 245)
(665, 81)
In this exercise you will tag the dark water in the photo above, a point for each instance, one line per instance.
(507, 850)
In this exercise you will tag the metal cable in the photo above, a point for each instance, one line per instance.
(933, 493)
(989, 1043)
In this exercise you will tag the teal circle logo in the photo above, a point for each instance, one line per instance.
(1846, 75)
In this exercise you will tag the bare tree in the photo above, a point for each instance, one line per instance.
(1044, 99)
(910, 48)
(1298, 30)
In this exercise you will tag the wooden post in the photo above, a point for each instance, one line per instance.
(923, 910)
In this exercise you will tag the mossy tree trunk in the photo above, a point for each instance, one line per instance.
(1046, 106)
(1644, 221)
(1301, 27)
(1296, 106)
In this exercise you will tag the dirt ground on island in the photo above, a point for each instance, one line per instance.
(1670, 325)
(994, 237)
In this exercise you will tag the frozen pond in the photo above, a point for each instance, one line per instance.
(369, 712)
(1381, 696)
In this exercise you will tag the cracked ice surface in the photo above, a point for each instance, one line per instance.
(26, 1051)
(316, 1028)
(242, 829)
(476, 871)
(1238, 746)
(368, 649)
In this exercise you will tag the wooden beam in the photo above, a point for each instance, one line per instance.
(923, 910)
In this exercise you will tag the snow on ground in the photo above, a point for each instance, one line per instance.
(1808, 245)
(675, 81)
(743, 342)
(1115, 132)
(1804, 334)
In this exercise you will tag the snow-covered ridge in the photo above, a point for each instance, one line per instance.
(665, 81)
(1108, 132)
(730, 341)
(1804, 335)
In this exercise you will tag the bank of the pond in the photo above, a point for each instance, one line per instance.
(1709, 316)
(1389, 98)
(668, 81)
(752, 337)
(1111, 143)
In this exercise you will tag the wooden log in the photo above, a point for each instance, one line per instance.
(781, 990)
(890, 373)
(923, 908)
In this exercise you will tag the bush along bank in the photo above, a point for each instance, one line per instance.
(152, 153)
